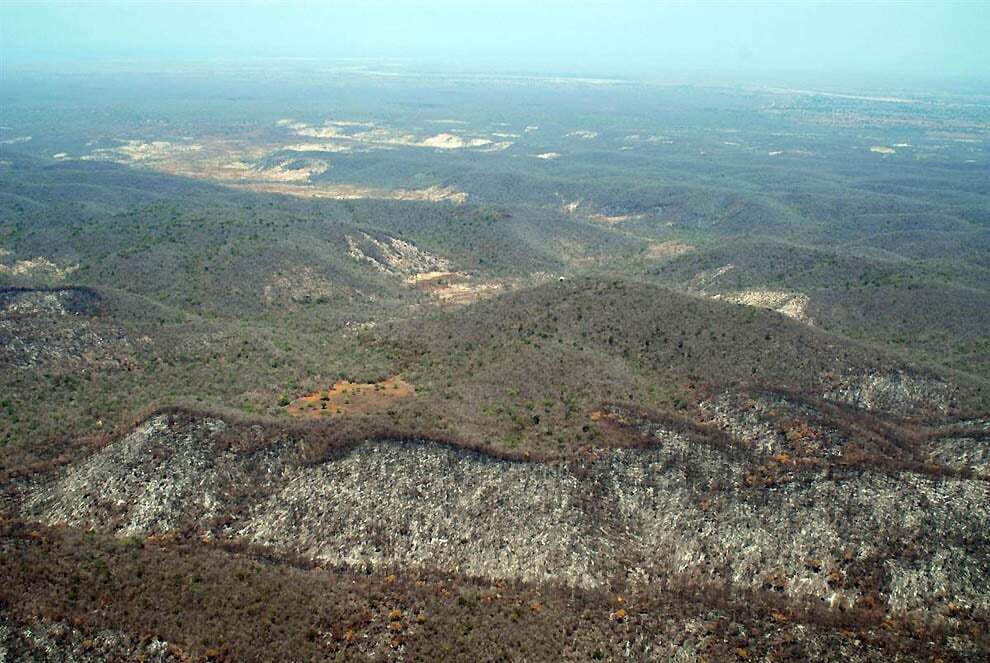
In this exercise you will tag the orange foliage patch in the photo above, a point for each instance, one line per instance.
(351, 398)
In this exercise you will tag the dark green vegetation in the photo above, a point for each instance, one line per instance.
(570, 306)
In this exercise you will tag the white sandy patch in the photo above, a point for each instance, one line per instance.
(138, 150)
(239, 163)
(427, 276)
(350, 123)
(775, 153)
(377, 136)
(321, 132)
(582, 133)
(317, 147)
(792, 304)
(615, 218)
(39, 266)
(882, 149)
(394, 256)
(432, 194)
(531, 128)
(447, 141)
(703, 279)
(294, 170)
(547, 155)
(60, 155)
(292, 124)
(14, 141)
(448, 288)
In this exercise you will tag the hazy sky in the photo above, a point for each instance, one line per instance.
(905, 40)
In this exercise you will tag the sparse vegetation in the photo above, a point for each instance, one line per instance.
(412, 394)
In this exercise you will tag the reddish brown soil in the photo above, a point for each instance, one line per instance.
(351, 398)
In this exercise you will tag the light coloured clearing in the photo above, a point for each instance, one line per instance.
(321, 132)
(351, 123)
(138, 150)
(903, 145)
(455, 288)
(60, 155)
(792, 304)
(393, 255)
(667, 250)
(346, 397)
(505, 134)
(15, 141)
(317, 147)
(582, 133)
(882, 149)
(378, 136)
(447, 121)
(571, 207)
(236, 163)
(434, 194)
(775, 153)
(39, 266)
(447, 141)
(547, 156)
(706, 278)
(293, 170)
(616, 218)
(416, 279)
(292, 124)
(531, 128)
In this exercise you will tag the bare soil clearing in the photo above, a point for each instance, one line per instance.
(456, 288)
(351, 398)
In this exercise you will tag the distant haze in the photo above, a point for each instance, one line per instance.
(903, 41)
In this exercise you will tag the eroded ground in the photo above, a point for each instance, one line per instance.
(346, 397)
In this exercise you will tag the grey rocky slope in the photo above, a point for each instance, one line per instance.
(679, 508)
